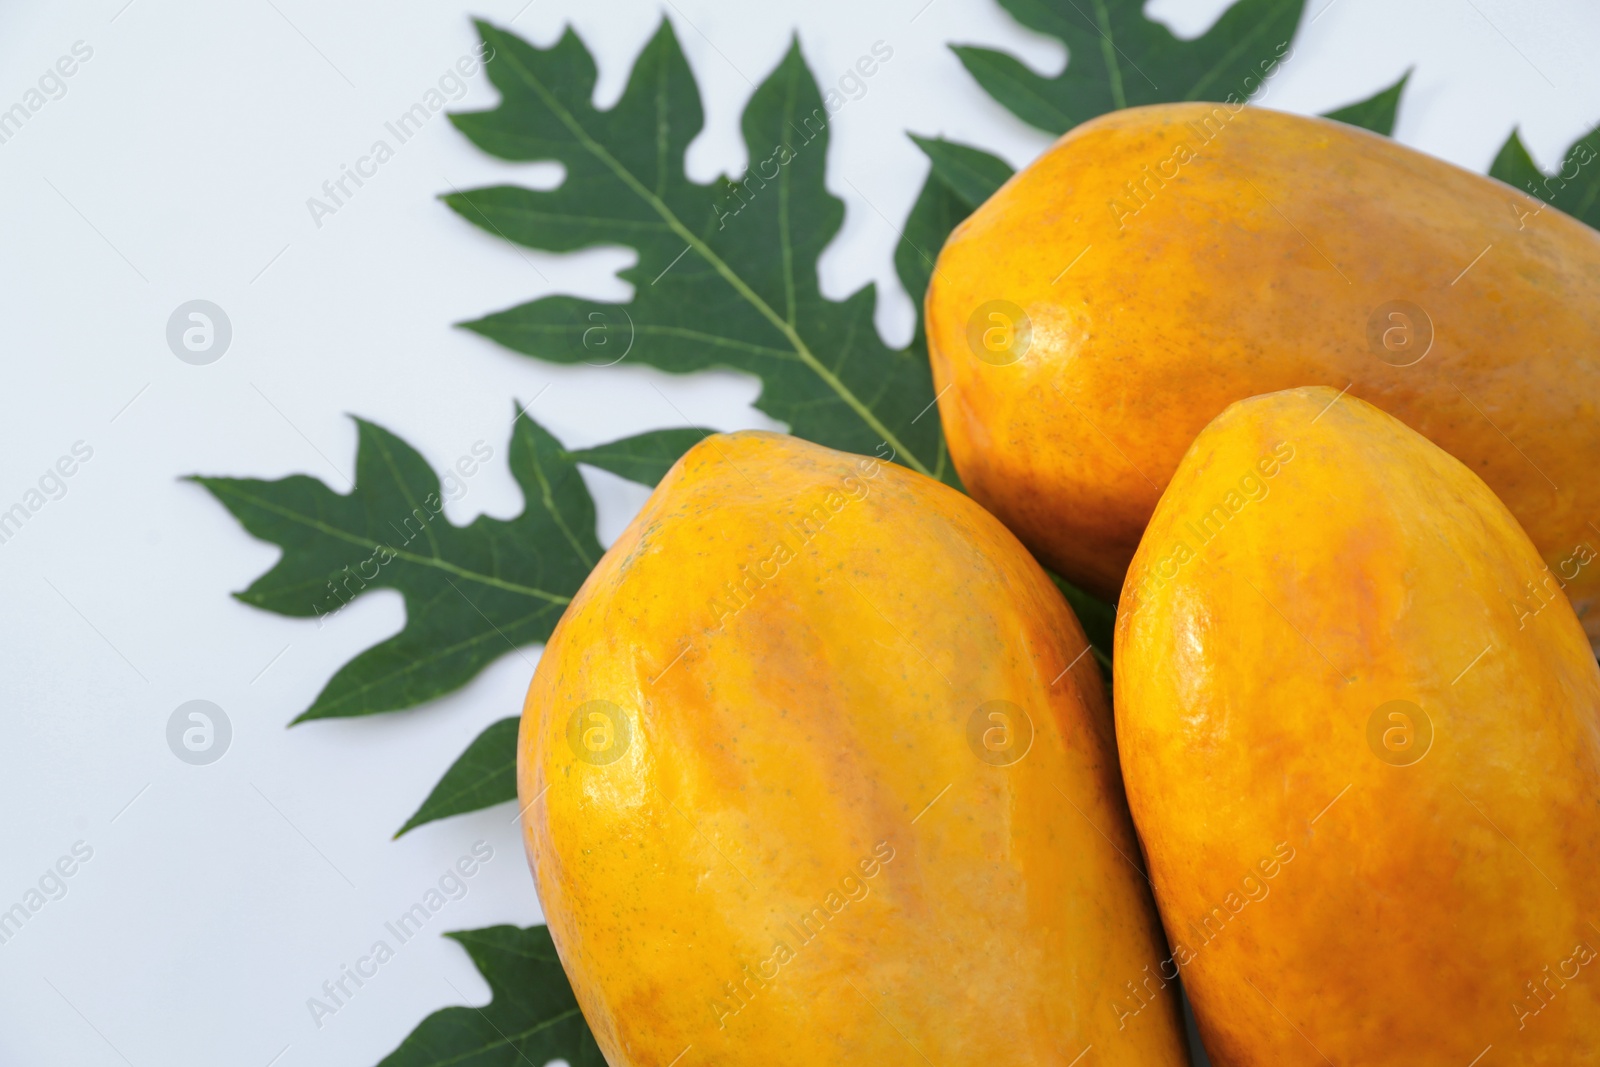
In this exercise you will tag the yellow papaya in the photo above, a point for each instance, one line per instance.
(818, 768)
(1360, 730)
(1159, 263)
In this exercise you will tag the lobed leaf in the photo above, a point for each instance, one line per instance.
(481, 777)
(472, 593)
(533, 1017)
(644, 459)
(959, 179)
(727, 271)
(1377, 112)
(1117, 58)
(1574, 187)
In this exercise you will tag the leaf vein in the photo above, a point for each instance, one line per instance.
(738, 283)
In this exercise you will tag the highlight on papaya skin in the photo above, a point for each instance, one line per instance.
(1078, 346)
(817, 768)
(1338, 667)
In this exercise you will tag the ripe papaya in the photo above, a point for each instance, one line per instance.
(1157, 264)
(818, 768)
(1360, 730)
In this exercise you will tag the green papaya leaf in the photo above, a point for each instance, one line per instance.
(1574, 187)
(472, 593)
(972, 174)
(644, 459)
(727, 271)
(961, 177)
(1116, 58)
(1514, 166)
(532, 1019)
(483, 776)
(1377, 112)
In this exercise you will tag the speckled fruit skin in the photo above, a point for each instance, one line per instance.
(1419, 895)
(1256, 267)
(809, 750)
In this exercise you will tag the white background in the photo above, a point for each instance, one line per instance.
(177, 166)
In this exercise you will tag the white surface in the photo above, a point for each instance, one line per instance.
(177, 166)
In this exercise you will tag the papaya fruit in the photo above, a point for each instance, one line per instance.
(817, 767)
(1363, 758)
(1159, 263)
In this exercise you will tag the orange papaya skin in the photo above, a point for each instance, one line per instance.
(787, 852)
(1345, 878)
(1257, 264)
